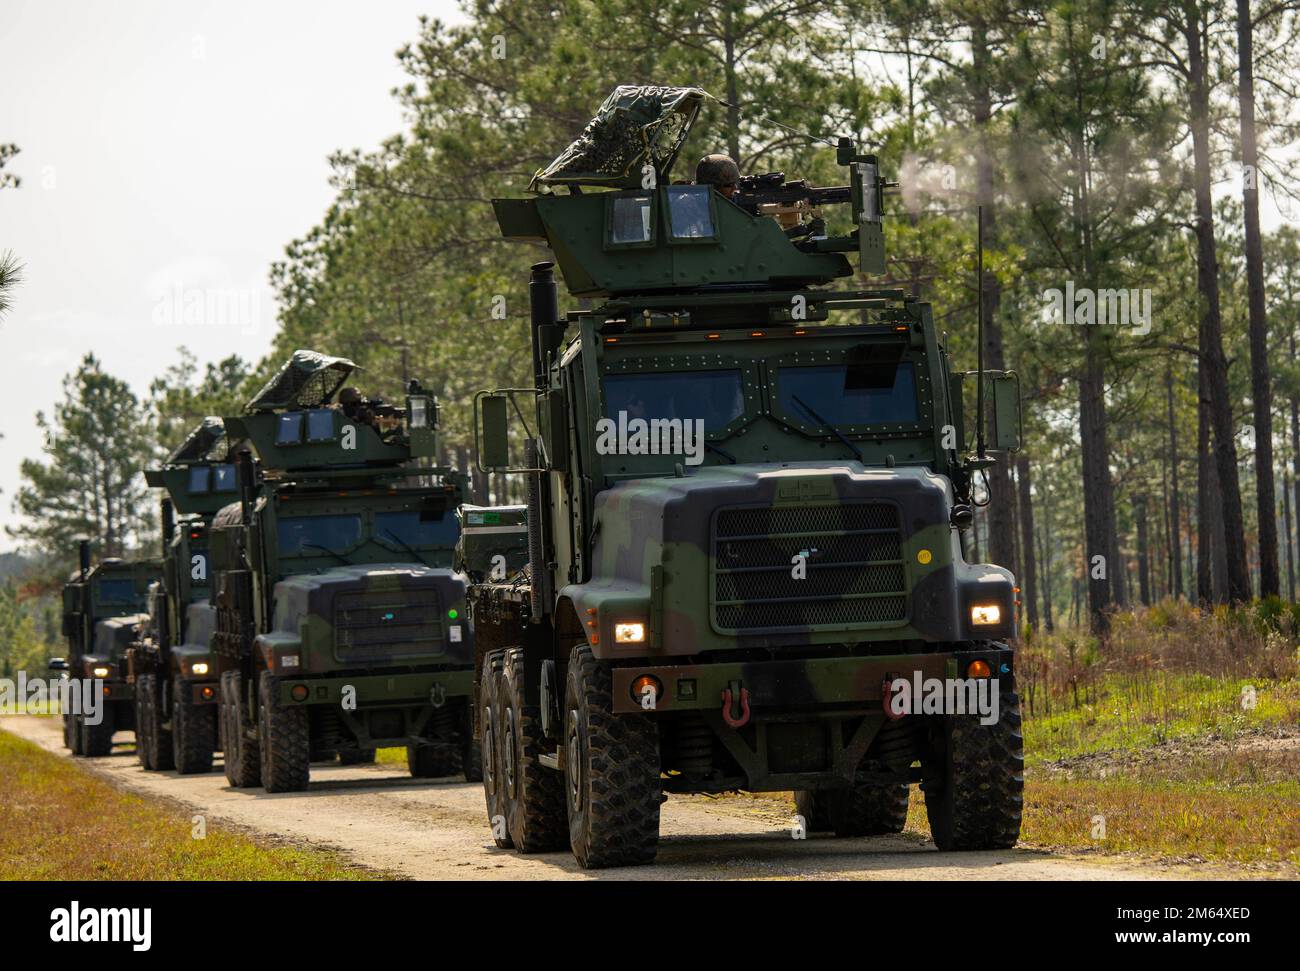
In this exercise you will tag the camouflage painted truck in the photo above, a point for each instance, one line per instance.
(103, 607)
(740, 612)
(172, 665)
(340, 621)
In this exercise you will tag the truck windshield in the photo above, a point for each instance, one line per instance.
(408, 527)
(307, 535)
(117, 591)
(832, 392)
(717, 397)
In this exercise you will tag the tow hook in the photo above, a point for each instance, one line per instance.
(738, 696)
(887, 696)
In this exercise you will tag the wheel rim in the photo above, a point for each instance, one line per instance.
(509, 746)
(572, 762)
(489, 758)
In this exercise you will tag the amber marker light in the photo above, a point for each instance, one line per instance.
(299, 692)
(978, 669)
(640, 685)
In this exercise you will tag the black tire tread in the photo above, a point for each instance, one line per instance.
(285, 736)
(194, 731)
(979, 807)
(623, 793)
(535, 813)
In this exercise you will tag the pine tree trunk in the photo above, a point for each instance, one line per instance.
(1175, 536)
(1261, 388)
(1211, 329)
(1029, 580)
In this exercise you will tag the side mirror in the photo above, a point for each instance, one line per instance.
(58, 664)
(492, 432)
(1006, 411)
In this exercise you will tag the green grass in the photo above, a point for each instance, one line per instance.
(59, 821)
(391, 756)
(1133, 713)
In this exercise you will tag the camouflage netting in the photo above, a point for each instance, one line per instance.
(308, 380)
(636, 124)
(204, 444)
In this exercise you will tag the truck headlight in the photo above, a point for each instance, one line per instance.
(199, 667)
(630, 633)
(99, 672)
(985, 615)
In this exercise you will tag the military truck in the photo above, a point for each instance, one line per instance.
(340, 622)
(103, 607)
(739, 611)
(172, 666)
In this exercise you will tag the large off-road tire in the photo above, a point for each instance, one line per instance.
(285, 737)
(490, 747)
(357, 756)
(432, 760)
(194, 731)
(862, 810)
(533, 794)
(611, 771)
(97, 740)
(72, 733)
(811, 805)
(978, 806)
(153, 743)
(242, 756)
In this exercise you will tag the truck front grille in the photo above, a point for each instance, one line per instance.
(854, 575)
(387, 624)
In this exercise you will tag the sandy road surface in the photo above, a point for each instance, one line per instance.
(437, 829)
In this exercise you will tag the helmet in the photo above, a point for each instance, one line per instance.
(349, 396)
(719, 170)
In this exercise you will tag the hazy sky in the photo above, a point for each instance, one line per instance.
(169, 152)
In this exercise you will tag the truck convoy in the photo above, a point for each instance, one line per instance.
(103, 607)
(340, 622)
(171, 666)
(745, 496)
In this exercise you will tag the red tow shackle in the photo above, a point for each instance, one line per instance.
(744, 708)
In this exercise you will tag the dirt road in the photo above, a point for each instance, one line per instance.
(437, 829)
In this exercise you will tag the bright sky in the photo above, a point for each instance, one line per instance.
(169, 152)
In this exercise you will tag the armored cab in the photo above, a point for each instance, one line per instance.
(172, 665)
(103, 607)
(745, 494)
(340, 619)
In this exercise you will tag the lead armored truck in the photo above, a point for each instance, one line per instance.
(172, 666)
(103, 609)
(340, 621)
(737, 611)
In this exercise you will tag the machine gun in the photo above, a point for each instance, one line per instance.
(771, 195)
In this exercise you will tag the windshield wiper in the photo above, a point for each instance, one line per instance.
(825, 424)
(316, 546)
(406, 546)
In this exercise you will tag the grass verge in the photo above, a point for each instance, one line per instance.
(59, 821)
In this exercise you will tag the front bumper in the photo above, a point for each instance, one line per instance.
(830, 685)
(380, 690)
